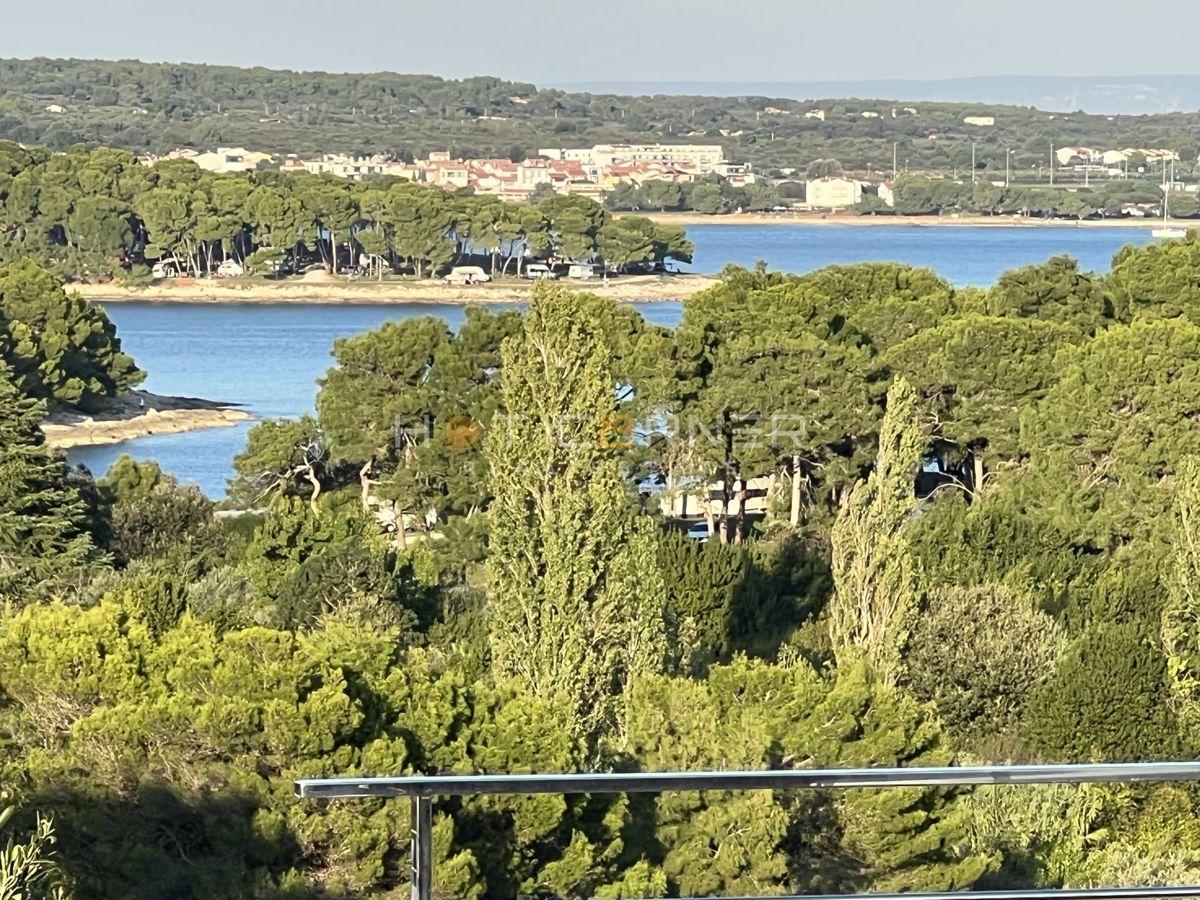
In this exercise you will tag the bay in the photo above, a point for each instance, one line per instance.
(267, 357)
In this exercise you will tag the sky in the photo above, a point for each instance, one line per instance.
(560, 41)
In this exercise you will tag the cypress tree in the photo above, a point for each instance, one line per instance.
(42, 516)
(576, 597)
(875, 600)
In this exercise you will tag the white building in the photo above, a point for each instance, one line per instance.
(832, 193)
(704, 157)
(230, 159)
(980, 121)
(1066, 155)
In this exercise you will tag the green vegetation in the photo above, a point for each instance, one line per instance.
(920, 195)
(57, 347)
(979, 543)
(157, 107)
(97, 214)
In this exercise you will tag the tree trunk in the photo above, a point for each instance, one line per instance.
(333, 252)
(364, 481)
(978, 473)
(794, 518)
(316, 486)
(725, 506)
(740, 522)
(401, 534)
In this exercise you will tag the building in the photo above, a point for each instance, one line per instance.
(1067, 155)
(737, 174)
(832, 193)
(688, 500)
(980, 121)
(703, 157)
(818, 114)
(230, 159)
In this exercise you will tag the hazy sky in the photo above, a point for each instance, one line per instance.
(636, 40)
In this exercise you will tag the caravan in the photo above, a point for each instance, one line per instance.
(583, 270)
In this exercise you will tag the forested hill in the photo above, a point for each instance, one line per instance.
(1110, 94)
(155, 107)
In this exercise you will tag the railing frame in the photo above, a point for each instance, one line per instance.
(422, 789)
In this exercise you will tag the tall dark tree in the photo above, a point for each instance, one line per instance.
(43, 533)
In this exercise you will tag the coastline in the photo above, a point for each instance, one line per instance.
(641, 288)
(939, 221)
(138, 414)
(325, 288)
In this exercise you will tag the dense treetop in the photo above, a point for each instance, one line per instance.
(979, 543)
(93, 214)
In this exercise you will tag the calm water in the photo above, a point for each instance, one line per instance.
(267, 357)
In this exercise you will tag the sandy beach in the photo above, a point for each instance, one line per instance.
(138, 414)
(342, 290)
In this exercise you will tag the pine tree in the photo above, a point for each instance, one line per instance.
(1181, 614)
(42, 517)
(576, 598)
(875, 599)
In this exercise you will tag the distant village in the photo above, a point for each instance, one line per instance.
(591, 172)
(596, 171)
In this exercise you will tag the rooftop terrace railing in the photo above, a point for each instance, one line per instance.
(422, 789)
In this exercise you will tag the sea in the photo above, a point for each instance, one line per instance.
(268, 357)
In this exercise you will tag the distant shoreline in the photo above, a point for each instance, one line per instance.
(138, 414)
(642, 288)
(325, 288)
(819, 219)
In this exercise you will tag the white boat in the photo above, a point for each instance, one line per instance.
(1168, 233)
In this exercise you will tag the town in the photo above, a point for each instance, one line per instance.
(601, 171)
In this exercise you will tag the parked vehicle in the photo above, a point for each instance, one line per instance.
(279, 268)
(583, 270)
(230, 268)
(167, 268)
(467, 275)
(699, 532)
(538, 272)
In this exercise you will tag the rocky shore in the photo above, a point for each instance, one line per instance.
(138, 414)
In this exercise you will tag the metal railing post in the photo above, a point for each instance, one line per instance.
(421, 789)
(422, 848)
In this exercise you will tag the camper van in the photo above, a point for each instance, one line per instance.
(467, 275)
(583, 270)
(539, 271)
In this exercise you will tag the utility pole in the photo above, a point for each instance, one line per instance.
(1052, 163)
(1008, 167)
(895, 171)
(972, 162)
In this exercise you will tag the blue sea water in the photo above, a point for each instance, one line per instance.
(267, 357)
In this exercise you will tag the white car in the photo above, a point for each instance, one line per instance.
(699, 532)
(230, 268)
